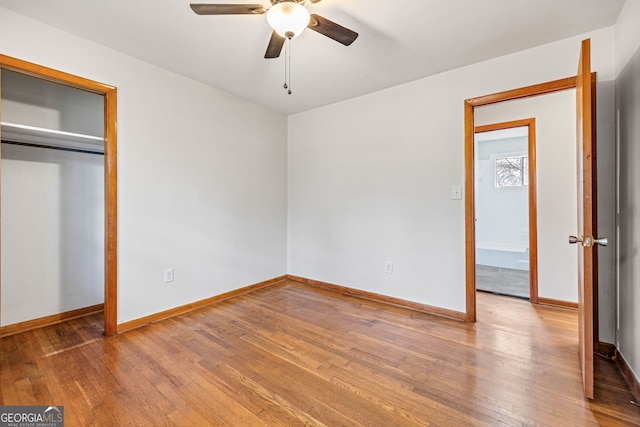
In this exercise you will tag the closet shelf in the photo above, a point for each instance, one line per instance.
(13, 132)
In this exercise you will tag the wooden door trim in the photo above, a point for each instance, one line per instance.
(110, 170)
(469, 155)
(524, 92)
(530, 123)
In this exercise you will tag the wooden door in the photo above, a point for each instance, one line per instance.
(586, 215)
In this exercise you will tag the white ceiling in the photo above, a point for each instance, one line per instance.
(399, 41)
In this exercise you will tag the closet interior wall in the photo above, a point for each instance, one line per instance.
(52, 199)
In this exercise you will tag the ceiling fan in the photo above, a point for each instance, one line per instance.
(288, 18)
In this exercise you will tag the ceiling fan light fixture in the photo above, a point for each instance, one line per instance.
(288, 19)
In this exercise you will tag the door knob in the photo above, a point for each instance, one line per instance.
(588, 241)
(602, 241)
(573, 239)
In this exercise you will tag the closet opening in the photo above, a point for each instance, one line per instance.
(57, 198)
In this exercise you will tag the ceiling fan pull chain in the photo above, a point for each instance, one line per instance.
(289, 66)
(286, 86)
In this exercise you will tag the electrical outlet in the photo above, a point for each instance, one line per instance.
(388, 267)
(168, 275)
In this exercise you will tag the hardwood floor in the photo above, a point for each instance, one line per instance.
(295, 355)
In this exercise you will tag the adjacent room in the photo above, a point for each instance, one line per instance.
(502, 212)
(392, 216)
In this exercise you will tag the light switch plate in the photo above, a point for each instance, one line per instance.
(456, 192)
(388, 267)
(168, 275)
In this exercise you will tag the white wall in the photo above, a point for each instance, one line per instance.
(201, 174)
(555, 116)
(627, 34)
(52, 232)
(628, 223)
(35, 102)
(370, 178)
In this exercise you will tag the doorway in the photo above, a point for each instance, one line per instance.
(470, 227)
(109, 94)
(506, 209)
(584, 177)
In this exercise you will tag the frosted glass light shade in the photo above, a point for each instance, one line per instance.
(288, 19)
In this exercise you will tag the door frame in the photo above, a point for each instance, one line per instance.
(110, 170)
(469, 159)
(532, 195)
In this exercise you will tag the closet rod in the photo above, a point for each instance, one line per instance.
(73, 150)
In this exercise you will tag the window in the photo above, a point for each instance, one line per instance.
(512, 171)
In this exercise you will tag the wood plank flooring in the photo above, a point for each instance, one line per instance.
(291, 355)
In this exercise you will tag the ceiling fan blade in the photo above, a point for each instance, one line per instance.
(227, 9)
(275, 46)
(332, 30)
